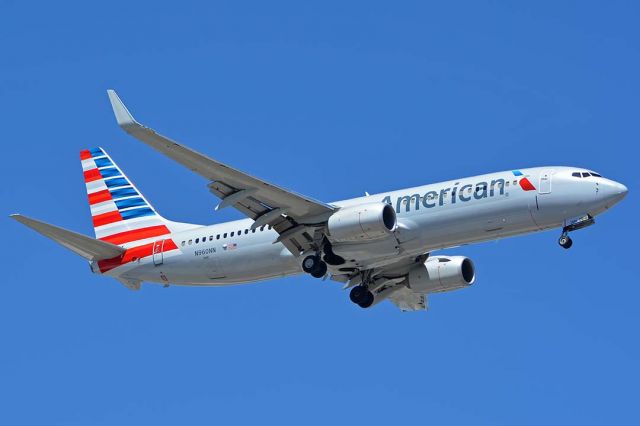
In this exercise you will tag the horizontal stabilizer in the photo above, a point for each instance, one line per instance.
(87, 247)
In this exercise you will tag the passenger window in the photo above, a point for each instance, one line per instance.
(218, 237)
(225, 235)
(506, 183)
(197, 240)
(246, 231)
(190, 242)
(204, 239)
(262, 228)
(232, 233)
(253, 231)
(182, 244)
(240, 232)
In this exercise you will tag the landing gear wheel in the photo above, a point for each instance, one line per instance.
(310, 263)
(320, 270)
(357, 293)
(565, 241)
(368, 300)
(361, 296)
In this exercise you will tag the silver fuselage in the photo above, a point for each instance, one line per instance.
(430, 217)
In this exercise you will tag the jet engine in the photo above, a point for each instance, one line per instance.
(442, 273)
(362, 223)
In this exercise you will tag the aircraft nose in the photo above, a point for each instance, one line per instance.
(614, 191)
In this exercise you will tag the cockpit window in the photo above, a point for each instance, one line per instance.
(585, 174)
(595, 174)
(575, 174)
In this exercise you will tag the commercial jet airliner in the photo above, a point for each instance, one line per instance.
(379, 246)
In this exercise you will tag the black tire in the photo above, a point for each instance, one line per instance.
(367, 300)
(565, 241)
(320, 271)
(568, 244)
(357, 294)
(310, 263)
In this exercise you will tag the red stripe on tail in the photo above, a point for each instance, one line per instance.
(85, 154)
(136, 234)
(133, 254)
(106, 218)
(91, 175)
(99, 196)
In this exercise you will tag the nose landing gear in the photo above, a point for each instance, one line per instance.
(565, 240)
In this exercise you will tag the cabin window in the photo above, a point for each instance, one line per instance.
(190, 242)
(182, 244)
(233, 233)
(197, 240)
(262, 228)
(218, 237)
(506, 183)
(240, 232)
(246, 231)
(253, 230)
(225, 235)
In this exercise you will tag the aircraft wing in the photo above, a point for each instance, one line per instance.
(295, 217)
(87, 247)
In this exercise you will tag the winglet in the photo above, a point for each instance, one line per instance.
(123, 116)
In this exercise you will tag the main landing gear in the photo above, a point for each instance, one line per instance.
(361, 296)
(565, 240)
(314, 265)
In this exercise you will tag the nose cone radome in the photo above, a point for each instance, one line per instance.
(614, 192)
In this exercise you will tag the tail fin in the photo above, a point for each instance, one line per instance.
(121, 214)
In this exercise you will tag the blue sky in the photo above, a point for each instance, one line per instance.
(330, 100)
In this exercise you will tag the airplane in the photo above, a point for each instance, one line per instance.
(379, 246)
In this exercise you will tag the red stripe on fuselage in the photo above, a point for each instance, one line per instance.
(133, 254)
(136, 234)
(106, 218)
(85, 154)
(99, 196)
(91, 175)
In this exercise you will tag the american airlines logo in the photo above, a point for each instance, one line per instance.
(456, 194)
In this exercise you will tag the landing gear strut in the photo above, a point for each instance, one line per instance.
(565, 240)
(313, 265)
(361, 296)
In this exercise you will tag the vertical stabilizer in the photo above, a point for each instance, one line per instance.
(121, 214)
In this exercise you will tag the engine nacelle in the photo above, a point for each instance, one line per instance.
(362, 223)
(442, 273)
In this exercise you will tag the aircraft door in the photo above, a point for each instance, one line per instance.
(544, 186)
(157, 252)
